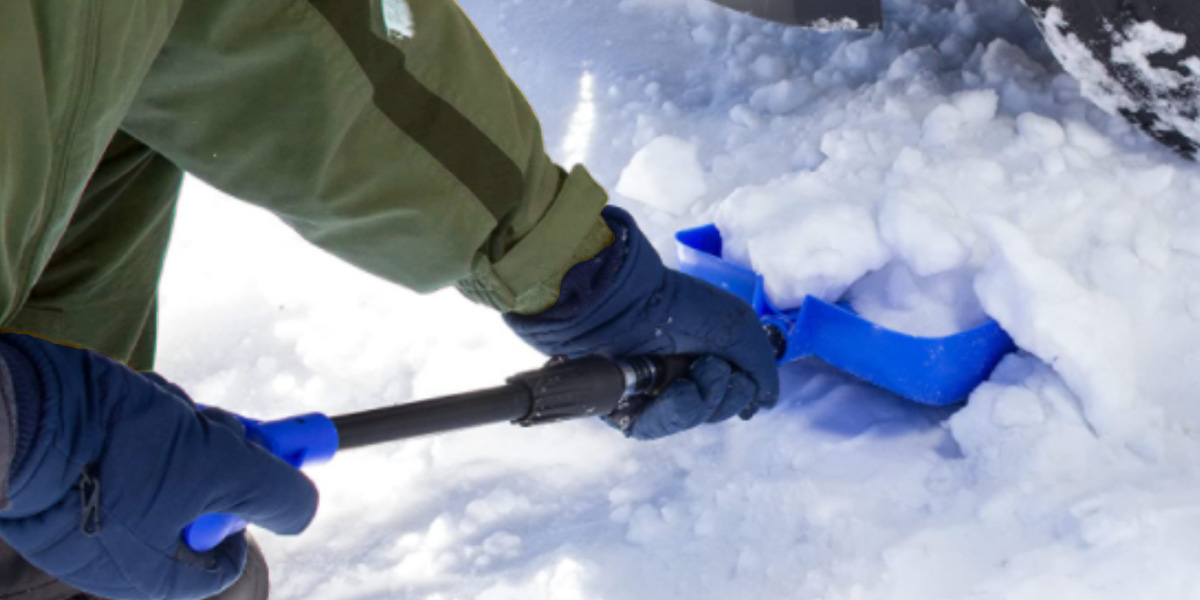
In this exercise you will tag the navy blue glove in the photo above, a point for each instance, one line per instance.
(624, 302)
(111, 465)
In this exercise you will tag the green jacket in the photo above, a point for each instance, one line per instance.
(398, 144)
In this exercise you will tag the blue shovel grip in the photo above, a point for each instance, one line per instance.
(300, 441)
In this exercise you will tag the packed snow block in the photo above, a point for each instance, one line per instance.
(769, 68)
(925, 245)
(1024, 424)
(802, 248)
(942, 125)
(1087, 337)
(1040, 132)
(977, 106)
(665, 174)
(802, 235)
(782, 97)
(1138, 58)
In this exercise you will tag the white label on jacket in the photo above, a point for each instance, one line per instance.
(398, 19)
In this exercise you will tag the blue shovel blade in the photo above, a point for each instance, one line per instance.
(934, 371)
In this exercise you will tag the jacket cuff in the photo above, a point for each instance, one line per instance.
(528, 279)
(614, 288)
(20, 413)
(588, 282)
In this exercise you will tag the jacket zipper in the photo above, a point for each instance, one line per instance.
(89, 495)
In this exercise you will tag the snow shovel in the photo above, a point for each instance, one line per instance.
(817, 14)
(564, 389)
(931, 371)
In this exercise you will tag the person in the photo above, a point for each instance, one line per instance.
(384, 132)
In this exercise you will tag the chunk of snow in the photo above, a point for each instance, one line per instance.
(977, 105)
(768, 67)
(1085, 336)
(926, 246)
(745, 116)
(1041, 132)
(781, 98)
(817, 248)
(665, 174)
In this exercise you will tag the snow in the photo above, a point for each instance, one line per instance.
(816, 248)
(1087, 336)
(665, 174)
(935, 173)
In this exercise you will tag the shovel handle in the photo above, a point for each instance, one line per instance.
(589, 386)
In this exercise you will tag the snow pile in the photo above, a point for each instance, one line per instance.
(938, 172)
(945, 170)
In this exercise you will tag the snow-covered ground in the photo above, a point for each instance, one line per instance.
(936, 172)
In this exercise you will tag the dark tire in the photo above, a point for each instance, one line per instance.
(1092, 39)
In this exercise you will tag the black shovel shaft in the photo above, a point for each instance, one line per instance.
(562, 390)
(590, 386)
(497, 405)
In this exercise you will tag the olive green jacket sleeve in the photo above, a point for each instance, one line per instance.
(384, 131)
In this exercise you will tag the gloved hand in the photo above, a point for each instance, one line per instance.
(624, 302)
(111, 465)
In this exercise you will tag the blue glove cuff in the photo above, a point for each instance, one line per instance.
(585, 284)
(599, 294)
(27, 400)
